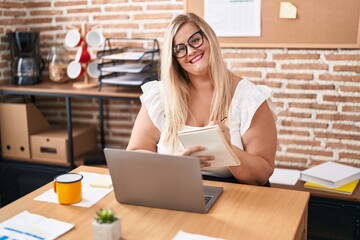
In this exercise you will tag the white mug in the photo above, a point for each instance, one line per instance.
(74, 70)
(94, 38)
(93, 70)
(73, 38)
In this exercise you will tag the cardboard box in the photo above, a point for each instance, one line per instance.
(18, 122)
(51, 146)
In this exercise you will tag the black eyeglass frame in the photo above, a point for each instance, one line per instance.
(188, 43)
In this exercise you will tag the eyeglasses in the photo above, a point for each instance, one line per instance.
(194, 41)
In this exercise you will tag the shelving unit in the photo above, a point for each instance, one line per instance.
(128, 61)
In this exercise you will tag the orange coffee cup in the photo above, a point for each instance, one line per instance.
(68, 188)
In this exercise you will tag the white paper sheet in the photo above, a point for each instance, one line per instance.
(285, 176)
(90, 195)
(30, 226)
(234, 18)
(181, 235)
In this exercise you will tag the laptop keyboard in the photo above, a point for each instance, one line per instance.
(207, 199)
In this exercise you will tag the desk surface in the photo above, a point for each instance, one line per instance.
(242, 211)
(67, 89)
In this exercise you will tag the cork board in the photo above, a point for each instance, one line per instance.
(319, 24)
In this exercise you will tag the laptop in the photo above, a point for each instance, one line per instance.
(160, 181)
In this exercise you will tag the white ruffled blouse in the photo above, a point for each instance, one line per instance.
(246, 100)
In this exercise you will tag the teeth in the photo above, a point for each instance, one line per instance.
(196, 58)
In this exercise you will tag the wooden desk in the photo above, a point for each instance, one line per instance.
(241, 212)
(67, 91)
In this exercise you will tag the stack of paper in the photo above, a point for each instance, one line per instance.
(331, 175)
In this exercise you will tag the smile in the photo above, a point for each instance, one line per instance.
(197, 58)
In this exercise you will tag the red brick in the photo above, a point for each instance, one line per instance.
(104, 2)
(338, 145)
(70, 4)
(337, 117)
(350, 155)
(350, 108)
(312, 124)
(340, 136)
(297, 76)
(12, 21)
(293, 132)
(165, 7)
(245, 55)
(341, 98)
(84, 10)
(344, 68)
(123, 9)
(295, 56)
(38, 20)
(344, 78)
(248, 73)
(349, 89)
(45, 12)
(255, 64)
(290, 159)
(158, 16)
(295, 95)
(305, 66)
(32, 4)
(311, 86)
(11, 4)
(14, 13)
(148, 35)
(316, 106)
(71, 19)
(347, 127)
(310, 152)
(112, 18)
(299, 142)
(342, 57)
(156, 25)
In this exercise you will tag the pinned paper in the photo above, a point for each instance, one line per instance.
(287, 10)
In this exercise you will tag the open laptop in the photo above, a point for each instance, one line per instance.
(161, 181)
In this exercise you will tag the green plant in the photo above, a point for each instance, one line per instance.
(105, 215)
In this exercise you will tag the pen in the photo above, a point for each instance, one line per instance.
(222, 120)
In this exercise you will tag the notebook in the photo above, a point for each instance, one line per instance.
(214, 142)
(160, 181)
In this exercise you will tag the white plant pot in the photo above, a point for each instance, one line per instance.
(106, 231)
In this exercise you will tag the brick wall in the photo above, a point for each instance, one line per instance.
(317, 92)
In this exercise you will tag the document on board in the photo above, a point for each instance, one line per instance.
(234, 18)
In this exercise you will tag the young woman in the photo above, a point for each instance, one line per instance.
(196, 90)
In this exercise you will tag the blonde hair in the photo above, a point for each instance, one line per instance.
(175, 79)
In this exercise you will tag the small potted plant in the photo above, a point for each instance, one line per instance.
(106, 225)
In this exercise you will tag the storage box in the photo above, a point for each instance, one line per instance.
(18, 122)
(51, 146)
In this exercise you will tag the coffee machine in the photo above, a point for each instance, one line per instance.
(27, 64)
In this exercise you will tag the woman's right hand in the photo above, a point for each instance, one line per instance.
(205, 160)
